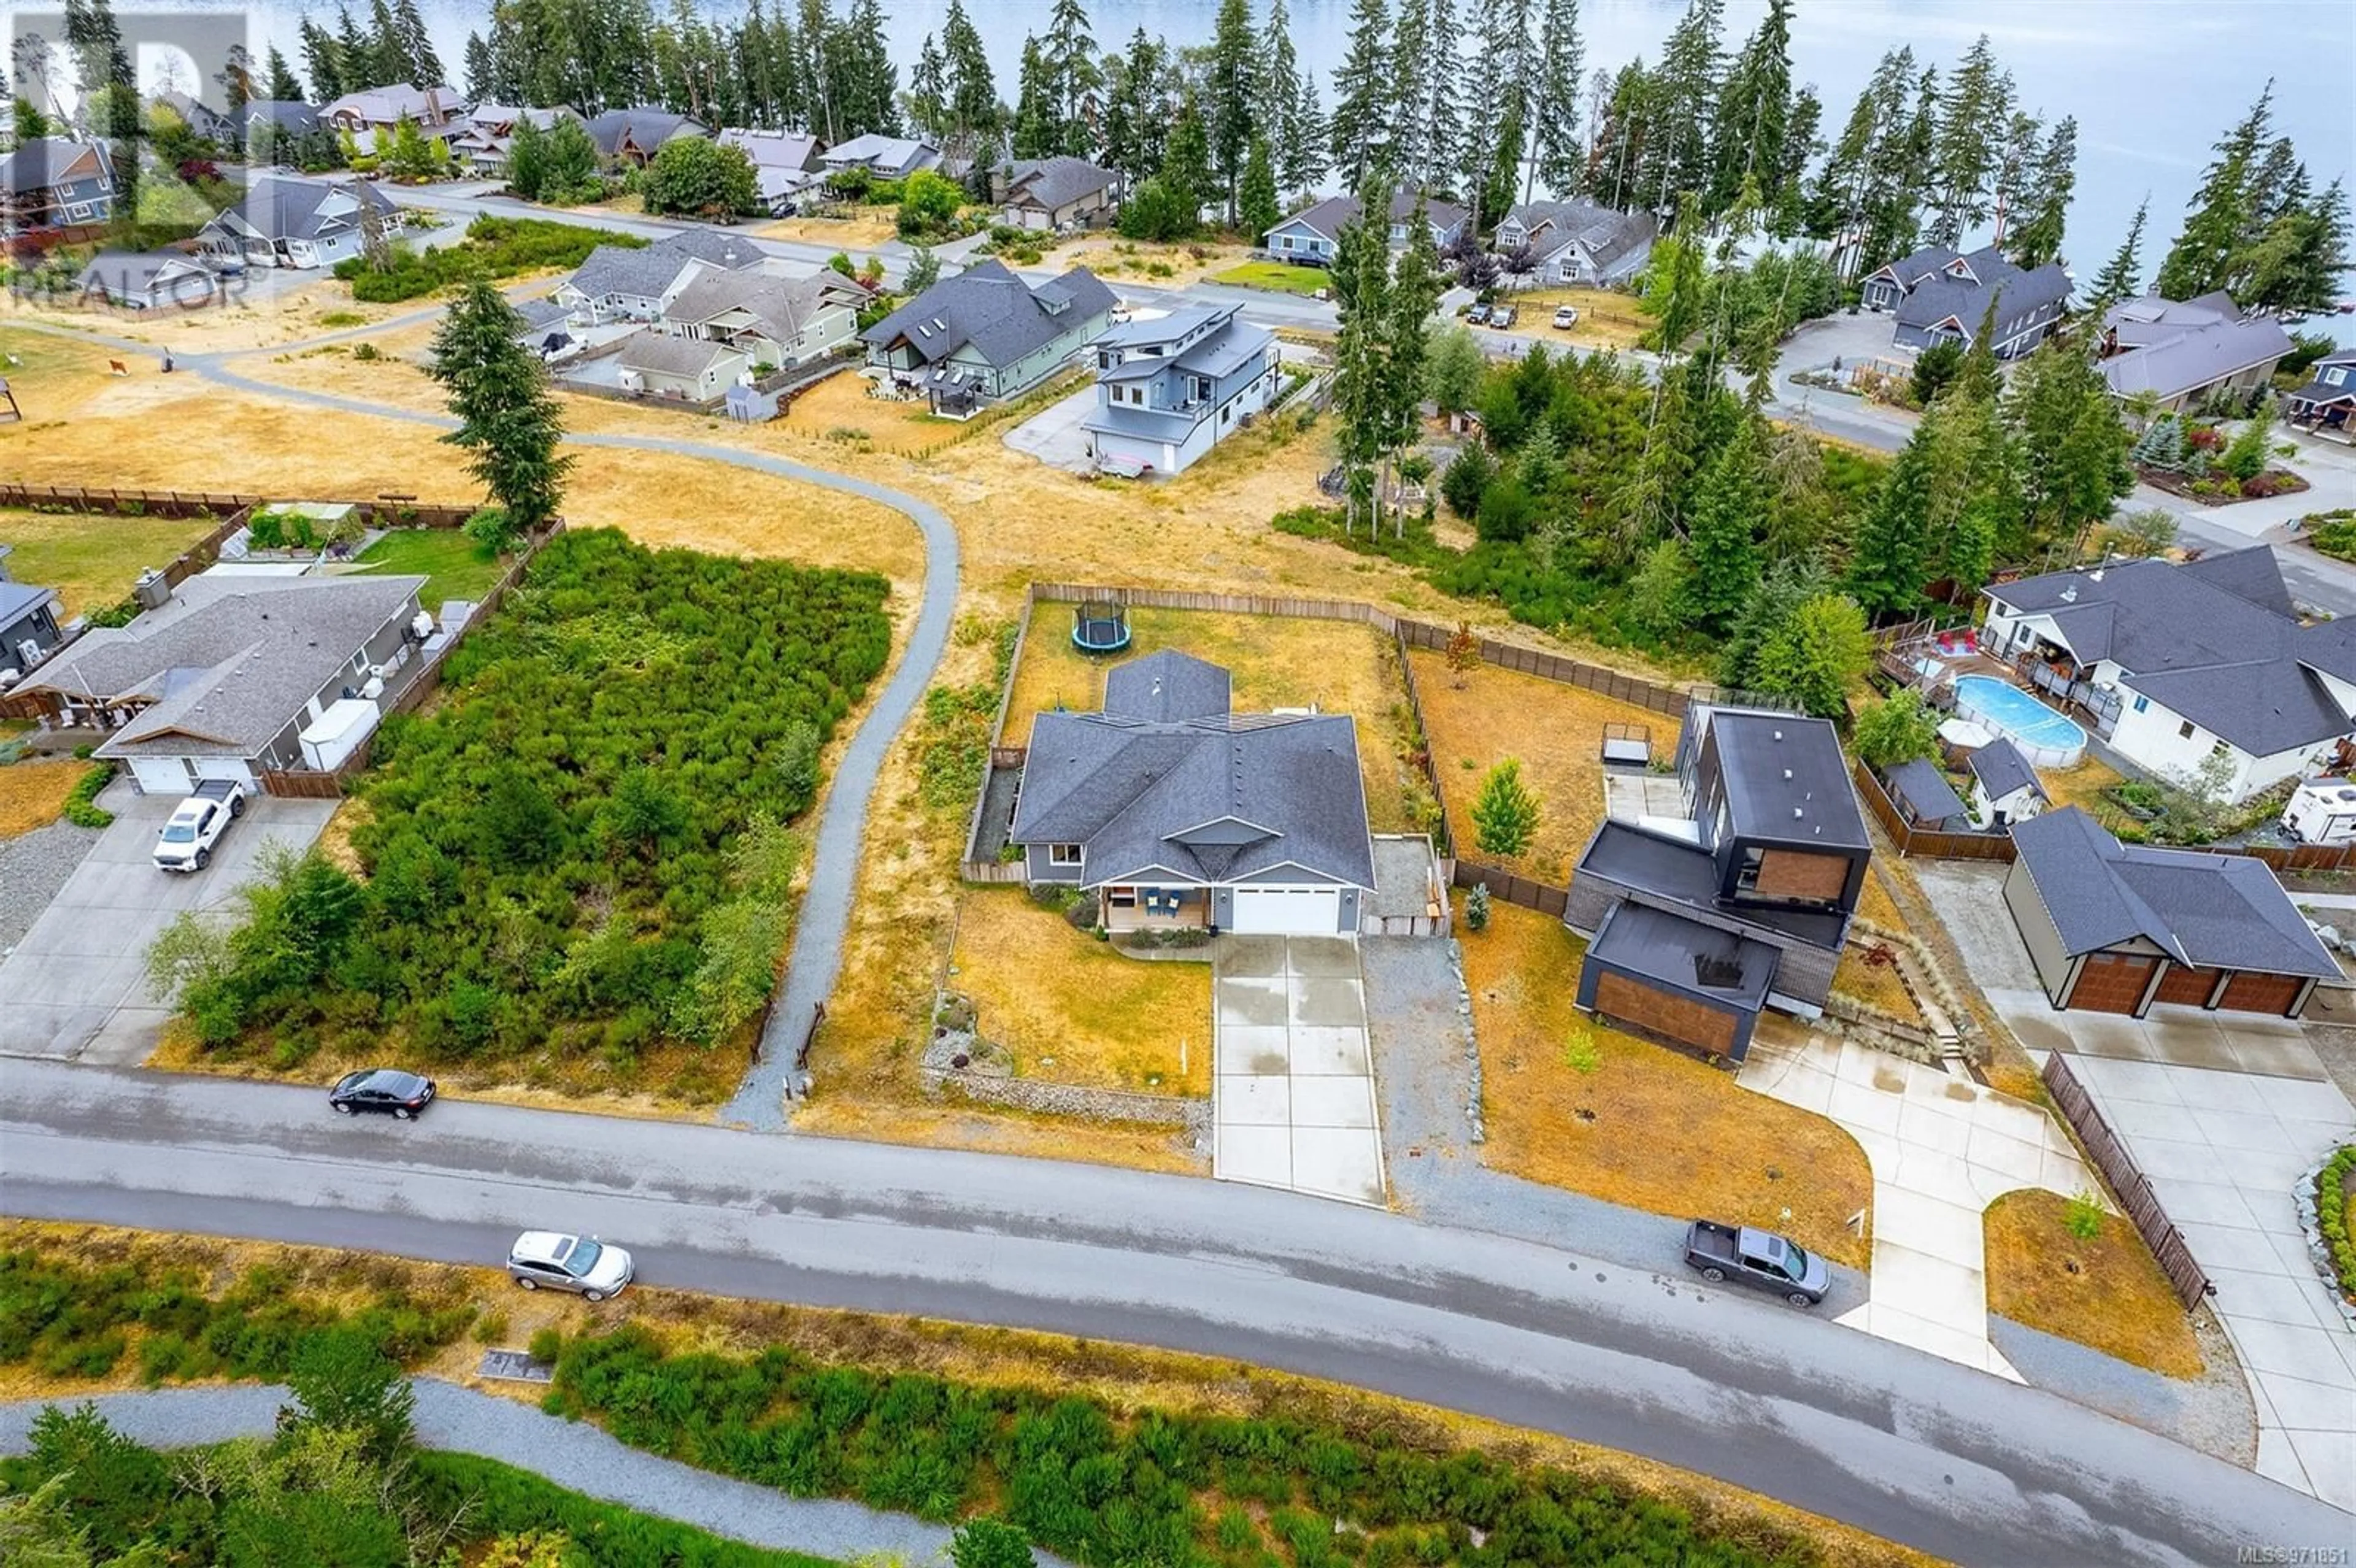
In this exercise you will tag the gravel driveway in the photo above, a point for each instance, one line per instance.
(33, 866)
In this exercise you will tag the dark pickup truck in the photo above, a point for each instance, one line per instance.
(1756, 1258)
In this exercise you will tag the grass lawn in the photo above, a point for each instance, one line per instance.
(1071, 1010)
(2107, 1292)
(840, 411)
(1339, 666)
(454, 566)
(33, 793)
(1573, 1104)
(1557, 730)
(93, 558)
(1605, 318)
(2082, 786)
(1281, 276)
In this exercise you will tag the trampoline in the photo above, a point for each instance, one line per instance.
(1100, 628)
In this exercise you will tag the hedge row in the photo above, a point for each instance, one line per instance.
(2331, 1216)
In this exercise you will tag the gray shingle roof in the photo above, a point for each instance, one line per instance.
(1167, 778)
(1938, 298)
(789, 150)
(289, 114)
(2168, 348)
(1052, 182)
(2001, 769)
(289, 209)
(884, 154)
(230, 661)
(1607, 234)
(40, 163)
(127, 271)
(1925, 790)
(2225, 912)
(643, 272)
(646, 128)
(782, 306)
(668, 356)
(1335, 213)
(1785, 779)
(995, 311)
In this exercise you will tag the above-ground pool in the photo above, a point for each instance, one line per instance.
(2044, 737)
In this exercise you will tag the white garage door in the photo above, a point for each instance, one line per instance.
(1287, 912)
(162, 775)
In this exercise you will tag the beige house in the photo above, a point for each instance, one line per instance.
(694, 370)
(776, 323)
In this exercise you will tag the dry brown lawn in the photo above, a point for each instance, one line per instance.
(1557, 730)
(2082, 786)
(2107, 1292)
(1118, 261)
(1127, 1377)
(1607, 319)
(322, 306)
(1573, 1104)
(864, 230)
(1877, 985)
(32, 795)
(93, 559)
(1071, 1010)
(1277, 661)
(841, 412)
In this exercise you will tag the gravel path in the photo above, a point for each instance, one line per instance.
(574, 1455)
(33, 866)
(2212, 1411)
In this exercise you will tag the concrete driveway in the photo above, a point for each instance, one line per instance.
(1293, 1104)
(1054, 435)
(76, 987)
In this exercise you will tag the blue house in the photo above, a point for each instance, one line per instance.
(1169, 389)
(1941, 295)
(1310, 236)
(51, 182)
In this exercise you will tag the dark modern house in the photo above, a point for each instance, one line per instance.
(1170, 387)
(2116, 928)
(1176, 812)
(1690, 934)
(986, 335)
(1940, 296)
(29, 621)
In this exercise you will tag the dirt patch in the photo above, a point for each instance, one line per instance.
(863, 229)
(1606, 319)
(33, 794)
(2106, 1292)
(1575, 1105)
(1118, 261)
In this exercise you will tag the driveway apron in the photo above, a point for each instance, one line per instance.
(1293, 1101)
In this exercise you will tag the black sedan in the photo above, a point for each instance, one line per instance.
(381, 1089)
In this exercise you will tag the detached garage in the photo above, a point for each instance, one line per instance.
(2116, 928)
(1677, 980)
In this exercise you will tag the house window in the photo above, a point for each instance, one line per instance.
(1121, 898)
(1284, 241)
(79, 210)
(2142, 704)
(2335, 377)
(1747, 878)
(1062, 854)
(2184, 731)
(359, 661)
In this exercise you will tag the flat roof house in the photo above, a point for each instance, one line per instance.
(624, 282)
(1171, 388)
(1176, 811)
(1940, 296)
(2173, 664)
(1048, 194)
(1311, 236)
(986, 335)
(52, 183)
(2184, 352)
(1578, 241)
(1745, 905)
(295, 223)
(2115, 928)
(221, 681)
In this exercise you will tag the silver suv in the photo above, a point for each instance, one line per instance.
(548, 1260)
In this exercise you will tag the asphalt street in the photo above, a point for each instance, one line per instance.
(1947, 1460)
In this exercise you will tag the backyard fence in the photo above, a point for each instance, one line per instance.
(382, 511)
(1543, 897)
(2126, 1181)
(1913, 840)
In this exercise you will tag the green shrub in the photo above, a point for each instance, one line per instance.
(81, 806)
(495, 246)
(2331, 1217)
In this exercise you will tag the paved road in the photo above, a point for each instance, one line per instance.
(1951, 1461)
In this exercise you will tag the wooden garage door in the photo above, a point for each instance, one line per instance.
(2112, 982)
(2248, 993)
(1664, 1013)
(2189, 986)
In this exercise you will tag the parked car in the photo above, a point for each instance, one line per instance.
(383, 1090)
(1565, 315)
(196, 824)
(550, 1260)
(1760, 1259)
(1501, 316)
(1477, 316)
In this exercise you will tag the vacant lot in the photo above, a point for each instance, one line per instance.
(91, 559)
(1281, 276)
(1115, 260)
(1606, 319)
(1071, 1009)
(841, 413)
(454, 566)
(2106, 1292)
(32, 795)
(861, 229)
(1557, 730)
(1338, 667)
(1572, 1104)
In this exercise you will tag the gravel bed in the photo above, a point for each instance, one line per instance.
(574, 1455)
(2212, 1412)
(33, 866)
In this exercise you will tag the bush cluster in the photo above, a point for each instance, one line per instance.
(495, 246)
(81, 806)
(1110, 1488)
(2331, 1217)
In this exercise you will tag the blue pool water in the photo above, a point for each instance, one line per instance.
(2045, 737)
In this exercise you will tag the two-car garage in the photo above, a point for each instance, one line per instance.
(1286, 911)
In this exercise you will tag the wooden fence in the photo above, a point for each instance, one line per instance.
(1913, 840)
(382, 511)
(2126, 1181)
(1543, 897)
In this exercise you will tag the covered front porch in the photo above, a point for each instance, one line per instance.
(1137, 906)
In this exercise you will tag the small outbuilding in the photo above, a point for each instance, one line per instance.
(2005, 788)
(1923, 795)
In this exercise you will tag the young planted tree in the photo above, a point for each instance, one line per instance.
(1464, 654)
(1506, 812)
(508, 420)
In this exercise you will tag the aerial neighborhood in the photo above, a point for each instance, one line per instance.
(1231, 786)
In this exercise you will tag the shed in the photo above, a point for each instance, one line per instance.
(2005, 788)
(1923, 793)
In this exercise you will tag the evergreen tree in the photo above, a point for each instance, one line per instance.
(1232, 86)
(1889, 559)
(1362, 391)
(928, 92)
(1481, 108)
(1315, 130)
(1415, 286)
(1785, 198)
(1070, 50)
(1441, 122)
(973, 113)
(1728, 503)
(508, 420)
(1677, 142)
(355, 54)
(482, 76)
(1135, 123)
(1186, 165)
(1812, 656)
(1506, 812)
(2205, 255)
(1361, 94)
(1260, 207)
(1561, 164)
(2038, 238)
(1406, 142)
(1280, 86)
(282, 83)
(1854, 180)
(1038, 131)
(1975, 110)
(1615, 160)
(1512, 45)
(416, 46)
(1754, 113)
(2296, 264)
(2074, 447)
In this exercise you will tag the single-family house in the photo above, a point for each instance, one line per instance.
(1311, 236)
(222, 679)
(2184, 352)
(778, 323)
(546, 328)
(276, 117)
(1174, 811)
(785, 163)
(2173, 665)
(986, 335)
(1049, 193)
(372, 109)
(633, 136)
(1922, 794)
(50, 183)
(153, 279)
(297, 223)
(695, 369)
(886, 157)
(1692, 926)
(2005, 788)
(2116, 928)
(29, 627)
(199, 117)
(1578, 241)
(622, 282)
(482, 142)
(2324, 403)
(1170, 387)
(1941, 296)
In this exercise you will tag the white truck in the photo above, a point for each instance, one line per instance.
(196, 824)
